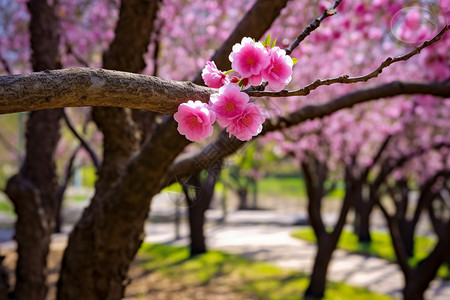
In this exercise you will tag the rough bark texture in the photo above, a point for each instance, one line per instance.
(76, 87)
(104, 242)
(120, 133)
(34, 189)
(34, 194)
(90, 269)
(107, 237)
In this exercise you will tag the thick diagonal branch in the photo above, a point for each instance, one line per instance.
(79, 87)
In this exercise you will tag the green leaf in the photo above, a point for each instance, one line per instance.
(274, 43)
(267, 41)
(295, 60)
(331, 12)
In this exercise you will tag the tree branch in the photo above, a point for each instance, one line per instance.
(348, 100)
(82, 141)
(313, 26)
(346, 78)
(78, 87)
(255, 22)
(224, 146)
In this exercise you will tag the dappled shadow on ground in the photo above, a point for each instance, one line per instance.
(144, 284)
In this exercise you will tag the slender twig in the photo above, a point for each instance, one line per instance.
(224, 146)
(157, 43)
(307, 31)
(5, 65)
(9, 146)
(346, 78)
(313, 26)
(69, 170)
(78, 58)
(83, 142)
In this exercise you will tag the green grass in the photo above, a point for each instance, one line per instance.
(289, 186)
(89, 176)
(381, 246)
(6, 207)
(260, 279)
(282, 186)
(292, 186)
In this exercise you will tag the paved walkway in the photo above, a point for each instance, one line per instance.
(265, 236)
(271, 242)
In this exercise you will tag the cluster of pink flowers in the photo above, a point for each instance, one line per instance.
(255, 62)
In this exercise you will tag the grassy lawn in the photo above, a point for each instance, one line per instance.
(381, 246)
(282, 186)
(248, 277)
(6, 206)
(291, 186)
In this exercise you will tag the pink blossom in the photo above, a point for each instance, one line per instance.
(413, 19)
(213, 77)
(229, 103)
(249, 58)
(195, 120)
(255, 79)
(279, 71)
(248, 124)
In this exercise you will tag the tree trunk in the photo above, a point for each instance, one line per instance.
(415, 288)
(196, 224)
(105, 240)
(419, 279)
(34, 190)
(242, 194)
(255, 193)
(108, 235)
(407, 233)
(4, 281)
(363, 215)
(198, 203)
(318, 279)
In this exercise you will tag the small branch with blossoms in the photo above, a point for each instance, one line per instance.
(224, 146)
(259, 64)
(346, 79)
(252, 64)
